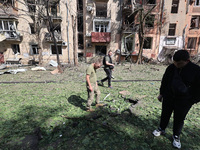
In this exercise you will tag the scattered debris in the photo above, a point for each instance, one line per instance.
(38, 69)
(53, 63)
(58, 70)
(3, 66)
(13, 71)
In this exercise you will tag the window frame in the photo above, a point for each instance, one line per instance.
(36, 47)
(151, 44)
(175, 5)
(58, 45)
(172, 28)
(194, 43)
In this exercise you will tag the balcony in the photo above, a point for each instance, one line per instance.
(100, 37)
(58, 37)
(11, 35)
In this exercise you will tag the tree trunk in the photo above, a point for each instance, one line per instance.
(74, 41)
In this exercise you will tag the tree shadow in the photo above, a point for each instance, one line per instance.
(77, 101)
(102, 129)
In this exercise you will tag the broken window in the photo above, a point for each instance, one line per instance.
(148, 43)
(195, 22)
(32, 28)
(31, 6)
(191, 43)
(101, 9)
(80, 23)
(80, 5)
(7, 25)
(174, 8)
(53, 49)
(8, 2)
(100, 50)
(54, 8)
(172, 29)
(149, 21)
(15, 48)
(197, 3)
(34, 49)
(101, 26)
(80, 41)
(151, 1)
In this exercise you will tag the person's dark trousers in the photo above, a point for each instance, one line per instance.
(109, 75)
(180, 109)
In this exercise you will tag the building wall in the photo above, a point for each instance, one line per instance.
(113, 12)
(193, 10)
(176, 18)
(28, 38)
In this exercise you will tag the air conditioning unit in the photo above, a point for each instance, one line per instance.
(89, 8)
(64, 43)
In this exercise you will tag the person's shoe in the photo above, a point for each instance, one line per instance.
(112, 77)
(110, 87)
(101, 83)
(90, 110)
(100, 105)
(176, 142)
(158, 132)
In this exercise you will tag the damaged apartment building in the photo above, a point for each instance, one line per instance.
(180, 28)
(87, 28)
(23, 30)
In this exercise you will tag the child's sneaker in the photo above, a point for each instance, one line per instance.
(158, 132)
(176, 142)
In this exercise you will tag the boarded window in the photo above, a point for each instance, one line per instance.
(175, 4)
(172, 29)
(149, 21)
(100, 50)
(148, 43)
(191, 43)
(101, 9)
(15, 48)
(195, 22)
(53, 49)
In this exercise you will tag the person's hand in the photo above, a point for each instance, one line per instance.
(160, 98)
(90, 88)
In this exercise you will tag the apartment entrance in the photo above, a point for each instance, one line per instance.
(100, 50)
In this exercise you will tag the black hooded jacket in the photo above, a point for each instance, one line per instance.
(181, 83)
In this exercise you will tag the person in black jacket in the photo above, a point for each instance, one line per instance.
(180, 89)
(108, 67)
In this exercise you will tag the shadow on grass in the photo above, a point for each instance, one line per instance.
(77, 101)
(94, 131)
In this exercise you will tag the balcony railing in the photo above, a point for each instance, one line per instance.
(57, 35)
(100, 37)
(11, 35)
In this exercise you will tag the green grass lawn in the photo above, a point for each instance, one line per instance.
(59, 110)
